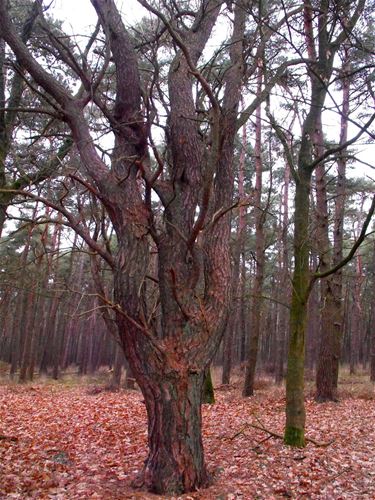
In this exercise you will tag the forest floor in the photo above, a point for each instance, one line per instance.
(65, 440)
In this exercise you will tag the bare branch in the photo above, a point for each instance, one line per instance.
(353, 250)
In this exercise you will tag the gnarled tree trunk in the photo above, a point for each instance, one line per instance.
(173, 403)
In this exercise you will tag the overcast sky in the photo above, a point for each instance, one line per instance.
(79, 15)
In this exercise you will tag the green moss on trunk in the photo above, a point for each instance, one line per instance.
(294, 437)
(295, 406)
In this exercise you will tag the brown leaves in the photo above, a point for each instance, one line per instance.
(67, 444)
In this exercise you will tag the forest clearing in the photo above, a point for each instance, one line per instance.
(71, 440)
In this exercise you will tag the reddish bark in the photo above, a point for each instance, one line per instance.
(256, 302)
(282, 324)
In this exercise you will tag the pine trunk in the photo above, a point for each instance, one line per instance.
(236, 284)
(175, 463)
(256, 303)
(295, 406)
(325, 385)
(27, 354)
(118, 363)
(228, 348)
(283, 285)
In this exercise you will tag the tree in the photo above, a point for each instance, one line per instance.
(352, 76)
(193, 253)
(323, 35)
(248, 389)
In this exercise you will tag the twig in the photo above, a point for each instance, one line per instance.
(261, 427)
(8, 438)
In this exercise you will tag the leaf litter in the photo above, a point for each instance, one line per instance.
(64, 443)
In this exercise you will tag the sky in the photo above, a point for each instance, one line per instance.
(79, 15)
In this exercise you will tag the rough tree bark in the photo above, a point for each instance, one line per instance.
(331, 288)
(356, 329)
(193, 253)
(325, 387)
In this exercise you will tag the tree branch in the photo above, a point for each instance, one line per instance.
(354, 248)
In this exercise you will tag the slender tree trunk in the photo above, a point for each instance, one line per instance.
(26, 358)
(129, 378)
(228, 348)
(325, 376)
(208, 394)
(282, 324)
(338, 233)
(243, 325)
(3, 134)
(295, 407)
(321, 53)
(312, 327)
(58, 345)
(76, 278)
(118, 363)
(257, 301)
(331, 288)
(372, 323)
(234, 316)
(357, 317)
(24, 333)
(48, 333)
(325, 386)
(16, 332)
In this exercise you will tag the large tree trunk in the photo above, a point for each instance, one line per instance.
(175, 462)
(171, 383)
